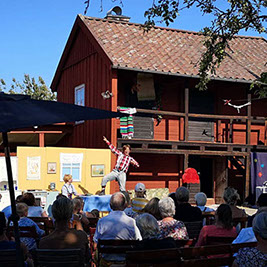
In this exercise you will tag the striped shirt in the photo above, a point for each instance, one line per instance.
(123, 161)
(138, 203)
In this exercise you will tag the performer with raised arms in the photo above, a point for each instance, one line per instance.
(121, 167)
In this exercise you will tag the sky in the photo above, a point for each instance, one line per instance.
(34, 32)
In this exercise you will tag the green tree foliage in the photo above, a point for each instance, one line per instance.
(230, 17)
(37, 90)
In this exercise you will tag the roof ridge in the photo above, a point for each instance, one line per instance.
(165, 28)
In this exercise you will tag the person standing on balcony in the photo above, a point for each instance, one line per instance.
(121, 167)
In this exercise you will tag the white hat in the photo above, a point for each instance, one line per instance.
(140, 187)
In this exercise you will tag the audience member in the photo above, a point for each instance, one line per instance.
(92, 214)
(231, 197)
(128, 210)
(8, 210)
(22, 211)
(139, 201)
(77, 215)
(7, 244)
(255, 256)
(152, 207)
(184, 211)
(116, 225)
(149, 230)
(201, 200)
(33, 210)
(223, 226)
(63, 237)
(168, 226)
(262, 206)
(68, 188)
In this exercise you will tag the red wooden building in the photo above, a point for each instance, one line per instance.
(196, 128)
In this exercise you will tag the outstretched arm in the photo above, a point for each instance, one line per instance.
(111, 147)
(135, 163)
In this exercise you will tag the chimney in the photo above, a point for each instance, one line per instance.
(116, 14)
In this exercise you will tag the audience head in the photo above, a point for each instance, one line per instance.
(182, 194)
(201, 199)
(28, 198)
(118, 201)
(259, 226)
(67, 178)
(262, 200)
(77, 205)
(62, 209)
(127, 197)
(224, 216)
(166, 207)
(22, 209)
(19, 198)
(148, 226)
(231, 196)
(95, 213)
(60, 195)
(140, 190)
(152, 207)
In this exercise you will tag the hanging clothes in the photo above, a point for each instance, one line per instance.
(126, 123)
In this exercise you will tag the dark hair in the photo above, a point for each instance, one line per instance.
(60, 195)
(152, 207)
(125, 146)
(262, 200)
(95, 212)
(19, 198)
(224, 214)
(62, 209)
(28, 198)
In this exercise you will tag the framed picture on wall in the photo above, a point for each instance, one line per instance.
(97, 170)
(51, 167)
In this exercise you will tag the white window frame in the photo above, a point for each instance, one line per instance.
(76, 90)
(71, 158)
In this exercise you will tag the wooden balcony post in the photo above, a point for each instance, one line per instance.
(41, 139)
(248, 128)
(186, 110)
(265, 133)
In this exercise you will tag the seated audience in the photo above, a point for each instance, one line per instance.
(128, 210)
(201, 200)
(7, 210)
(22, 211)
(6, 244)
(152, 207)
(77, 207)
(231, 197)
(168, 226)
(139, 201)
(33, 210)
(262, 206)
(255, 256)
(150, 233)
(63, 237)
(92, 214)
(223, 226)
(184, 211)
(116, 225)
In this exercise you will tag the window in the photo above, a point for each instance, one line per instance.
(71, 164)
(79, 98)
(79, 95)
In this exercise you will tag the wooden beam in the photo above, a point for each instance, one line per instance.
(248, 128)
(186, 158)
(247, 174)
(183, 151)
(186, 110)
(231, 132)
(265, 133)
(41, 140)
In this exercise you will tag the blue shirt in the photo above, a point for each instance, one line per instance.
(28, 241)
(8, 211)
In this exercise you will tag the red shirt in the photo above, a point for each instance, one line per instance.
(213, 230)
(123, 161)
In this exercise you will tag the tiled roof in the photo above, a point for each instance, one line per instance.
(174, 51)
